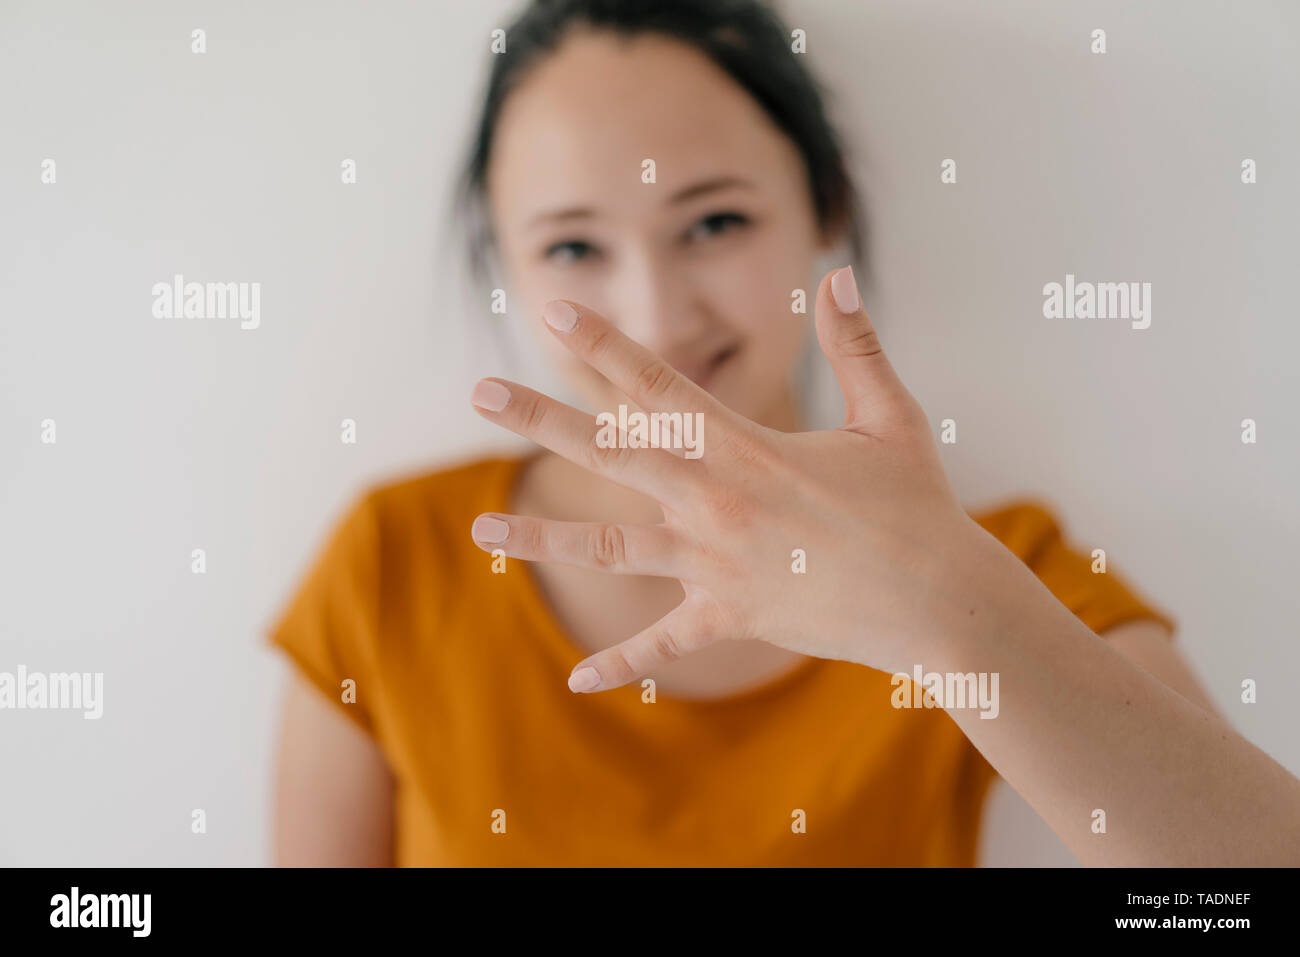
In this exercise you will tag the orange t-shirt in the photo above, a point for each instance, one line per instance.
(461, 678)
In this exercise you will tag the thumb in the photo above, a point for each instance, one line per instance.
(872, 390)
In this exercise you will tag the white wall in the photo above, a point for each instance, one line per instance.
(175, 436)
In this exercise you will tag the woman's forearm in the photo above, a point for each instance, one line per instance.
(1080, 730)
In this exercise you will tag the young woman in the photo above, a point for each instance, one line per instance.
(451, 707)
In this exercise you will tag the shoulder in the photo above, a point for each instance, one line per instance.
(444, 496)
(414, 528)
(1023, 520)
(1026, 526)
(1031, 529)
(422, 516)
(399, 549)
(1082, 576)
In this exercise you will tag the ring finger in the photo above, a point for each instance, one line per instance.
(618, 549)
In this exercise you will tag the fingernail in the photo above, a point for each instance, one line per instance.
(584, 679)
(491, 396)
(844, 290)
(490, 530)
(559, 315)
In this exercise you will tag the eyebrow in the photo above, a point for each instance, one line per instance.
(693, 191)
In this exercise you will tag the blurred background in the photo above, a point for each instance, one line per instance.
(174, 435)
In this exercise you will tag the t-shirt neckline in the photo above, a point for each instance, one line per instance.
(529, 591)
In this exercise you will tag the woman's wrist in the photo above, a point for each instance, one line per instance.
(982, 592)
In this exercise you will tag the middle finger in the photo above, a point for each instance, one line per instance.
(576, 436)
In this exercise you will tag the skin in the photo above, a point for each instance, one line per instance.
(904, 575)
(683, 276)
(699, 319)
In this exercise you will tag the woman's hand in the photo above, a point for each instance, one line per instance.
(887, 548)
(897, 574)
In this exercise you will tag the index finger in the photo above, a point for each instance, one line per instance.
(633, 369)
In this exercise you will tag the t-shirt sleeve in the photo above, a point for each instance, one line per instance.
(1100, 599)
(329, 628)
(1097, 594)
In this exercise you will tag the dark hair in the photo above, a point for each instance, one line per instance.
(744, 37)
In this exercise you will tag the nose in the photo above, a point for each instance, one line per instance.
(657, 305)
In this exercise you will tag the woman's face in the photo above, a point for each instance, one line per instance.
(699, 265)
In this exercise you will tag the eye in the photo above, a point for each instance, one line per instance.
(717, 223)
(568, 251)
